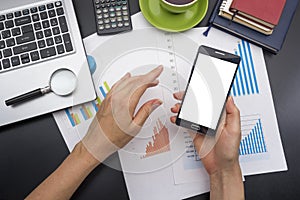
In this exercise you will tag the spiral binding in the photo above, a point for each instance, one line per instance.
(223, 5)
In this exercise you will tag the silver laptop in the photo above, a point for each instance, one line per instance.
(38, 37)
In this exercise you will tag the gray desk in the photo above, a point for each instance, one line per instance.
(31, 150)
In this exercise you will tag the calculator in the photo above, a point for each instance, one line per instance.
(112, 16)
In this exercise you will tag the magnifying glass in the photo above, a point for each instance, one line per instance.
(62, 82)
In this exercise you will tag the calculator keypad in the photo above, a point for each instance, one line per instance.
(112, 16)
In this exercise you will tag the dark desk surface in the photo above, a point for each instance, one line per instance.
(31, 150)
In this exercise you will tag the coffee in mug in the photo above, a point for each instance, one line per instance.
(179, 2)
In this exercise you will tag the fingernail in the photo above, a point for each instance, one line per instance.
(160, 67)
(156, 104)
(177, 94)
(231, 99)
(173, 119)
(127, 74)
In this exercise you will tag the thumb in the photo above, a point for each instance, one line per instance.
(144, 112)
(232, 115)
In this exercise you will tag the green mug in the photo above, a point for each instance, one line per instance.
(177, 6)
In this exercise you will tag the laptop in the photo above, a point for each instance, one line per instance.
(37, 38)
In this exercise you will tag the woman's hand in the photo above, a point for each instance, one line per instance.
(113, 127)
(222, 151)
(219, 154)
(116, 122)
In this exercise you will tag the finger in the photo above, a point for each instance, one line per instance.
(139, 90)
(126, 76)
(197, 138)
(153, 83)
(176, 108)
(142, 81)
(232, 116)
(152, 75)
(173, 119)
(221, 124)
(179, 95)
(203, 143)
(131, 89)
(136, 95)
(140, 84)
(144, 112)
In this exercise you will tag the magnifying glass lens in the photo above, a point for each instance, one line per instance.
(63, 82)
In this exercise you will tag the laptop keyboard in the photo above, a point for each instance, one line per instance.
(33, 35)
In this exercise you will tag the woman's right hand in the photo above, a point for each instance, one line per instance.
(222, 151)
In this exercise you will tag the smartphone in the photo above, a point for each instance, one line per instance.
(207, 90)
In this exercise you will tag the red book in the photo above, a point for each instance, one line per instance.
(267, 12)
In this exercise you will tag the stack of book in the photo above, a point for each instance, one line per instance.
(262, 22)
(260, 15)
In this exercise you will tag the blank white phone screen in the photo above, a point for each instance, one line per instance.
(207, 91)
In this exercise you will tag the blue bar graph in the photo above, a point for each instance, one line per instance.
(95, 106)
(72, 121)
(84, 112)
(254, 142)
(102, 91)
(245, 82)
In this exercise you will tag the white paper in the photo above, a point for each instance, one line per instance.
(261, 149)
(142, 183)
(169, 174)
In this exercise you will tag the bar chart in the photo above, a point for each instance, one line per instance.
(253, 140)
(104, 89)
(96, 104)
(73, 117)
(160, 141)
(84, 112)
(245, 82)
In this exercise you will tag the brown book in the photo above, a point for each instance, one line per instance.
(228, 14)
(266, 12)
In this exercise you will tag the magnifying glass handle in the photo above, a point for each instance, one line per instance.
(27, 96)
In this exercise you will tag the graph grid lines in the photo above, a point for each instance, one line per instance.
(245, 82)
